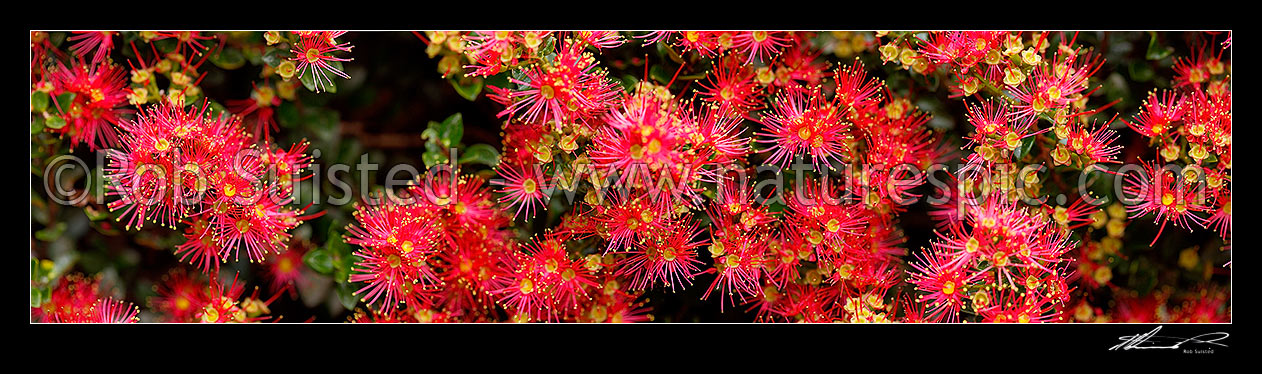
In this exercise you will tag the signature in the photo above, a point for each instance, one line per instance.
(1151, 340)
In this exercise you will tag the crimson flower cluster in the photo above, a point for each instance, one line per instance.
(89, 102)
(659, 175)
(647, 164)
(442, 250)
(192, 298)
(76, 299)
(178, 166)
(1191, 126)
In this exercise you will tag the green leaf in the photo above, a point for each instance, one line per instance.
(37, 124)
(55, 122)
(56, 38)
(548, 47)
(343, 260)
(480, 154)
(659, 74)
(332, 84)
(1024, 147)
(63, 101)
(341, 256)
(308, 80)
(346, 294)
(497, 80)
(228, 59)
(469, 90)
(1141, 72)
(430, 133)
(629, 82)
(520, 76)
(1156, 52)
(95, 214)
(275, 56)
(287, 114)
(39, 101)
(46, 293)
(432, 158)
(51, 233)
(319, 260)
(450, 131)
(36, 297)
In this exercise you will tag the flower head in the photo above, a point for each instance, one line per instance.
(98, 104)
(314, 54)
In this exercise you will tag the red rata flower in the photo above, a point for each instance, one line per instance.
(1159, 115)
(705, 43)
(524, 143)
(798, 66)
(1023, 307)
(99, 43)
(284, 270)
(226, 306)
(187, 166)
(260, 226)
(75, 300)
(738, 267)
(567, 90)
(542, 282)
(165, 140)
(964, 49)
(997, 245)
(100, 94)
(804, 123)
(904, 140)
(718, 134)
(288, 164)
(913, 312)
(625, 219)
(1207, 125)
(647, 143)
(180, 296)
(466, 270)
(1221, 219)
(187, 39)
(760, 45)
(1156, 189)
(997, 133)
(1076, 215)
(314, 51)
(200, 247)
(731, 86)
(481, 43)
(397, 238)
(492, 51)
(1094, 145)
(668, 256)
(942, 283)
(259, 109)
(524, 187)
(1198, 69)
(824, 219)
(612, 305)
(654, 36)
(600, 39)
(467, 206)
(1056, 85)
(854, 91)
